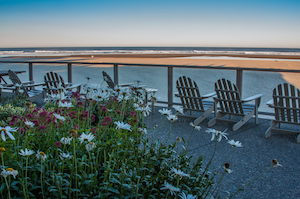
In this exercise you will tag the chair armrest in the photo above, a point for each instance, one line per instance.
(68, 84)
(28, 82)
(125, 84)
(258, 96)
(78, 86)
(209, 95)
(270, 103)
(6, 85)
(10, 87)
(151, 90)
(34, 85)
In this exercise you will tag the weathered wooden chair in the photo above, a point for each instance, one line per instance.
(286, 103)
(228, 98)
(112, 85)
(191, 100)
(135, 86)
(55, 83)
(28, 88)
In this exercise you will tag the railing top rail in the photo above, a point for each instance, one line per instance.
(158, 65)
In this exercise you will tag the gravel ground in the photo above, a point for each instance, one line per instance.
(247, 162)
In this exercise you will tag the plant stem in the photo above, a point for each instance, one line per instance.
(8, 188)
(42, 179)
(242, 187)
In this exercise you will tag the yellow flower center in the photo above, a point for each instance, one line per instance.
(85, 139)
(42, 153)
(91, 143)
(9, 169)
(73, 133)
(2, 149)
(3, 129)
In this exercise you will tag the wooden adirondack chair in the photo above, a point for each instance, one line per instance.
(191, 100)
(228, 98)
(286, 103)
(26, 88)
(55, 83)
(112, 85)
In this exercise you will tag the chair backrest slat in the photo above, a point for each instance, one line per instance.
(53, 80)
(286, 100)
(189, 93)
(13, 77)
(16, 80)
(108, 80)
(228, 97)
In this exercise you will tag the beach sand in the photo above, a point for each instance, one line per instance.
(156, 77)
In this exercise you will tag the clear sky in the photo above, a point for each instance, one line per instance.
(201, 23)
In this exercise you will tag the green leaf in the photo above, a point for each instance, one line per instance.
(114, 190)
(86, 182)
(2, 187)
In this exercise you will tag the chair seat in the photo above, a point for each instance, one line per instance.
(191, 100)
(286, 104)
(230, 103)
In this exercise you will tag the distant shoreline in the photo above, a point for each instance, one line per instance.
(131, 55)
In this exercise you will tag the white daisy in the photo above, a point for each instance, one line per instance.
(101, 95)
(27, 152)
(90, 146)
(41, 155)
(216, 133)
(59, 96)
(65, 156)
(145, 110)
(228, 170)
(182, 195)
(7, 131)
(179, 109)
(9, 171)
(144, 130)
(86, 137)
(122, 125)
(171, 188)
(198, 128)
(65, 104)
(66, 140)
(165, 111)
(57, 116)
(179, 173)
(29, 124)
(275, 163)
(235, 143)
(172, 118)
(226, 167)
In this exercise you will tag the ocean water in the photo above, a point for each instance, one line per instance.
(6, 52)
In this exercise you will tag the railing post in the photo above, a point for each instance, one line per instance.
(170, 86)
(239, 80)
(116, 74)
(30, 72)
(70, 73)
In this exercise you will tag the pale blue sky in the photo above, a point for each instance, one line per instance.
(216, 23)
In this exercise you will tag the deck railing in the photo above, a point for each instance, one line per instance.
(239, 71)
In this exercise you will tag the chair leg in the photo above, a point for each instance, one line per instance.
(204, 115)
(243, 121)
(214, 120)
(269, 130)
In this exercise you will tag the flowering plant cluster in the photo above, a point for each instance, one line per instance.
(94, 146)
